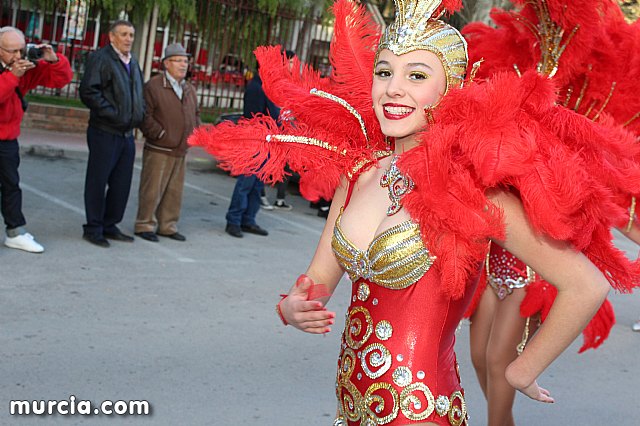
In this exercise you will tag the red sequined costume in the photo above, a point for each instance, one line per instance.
(397, 362)
(412, 284)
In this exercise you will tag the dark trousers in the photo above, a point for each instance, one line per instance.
(245, 201)
(10, 192)
(108, 180)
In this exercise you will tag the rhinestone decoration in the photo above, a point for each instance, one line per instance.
(375, 302)
(442, 405)
(397, 184)
(363, 292)
(339, 422)
(420, 375)
(359, 376)
(384, 330)
(400, 357)
(402, 376)
(505, 272)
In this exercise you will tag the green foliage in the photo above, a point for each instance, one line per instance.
(54, 100)
(295, 6)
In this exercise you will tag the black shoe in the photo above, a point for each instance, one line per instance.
(234, 230)
(281, 205)
(149, 236)
(175, 236)
(97, 240)
(118, 236)
(254, 229)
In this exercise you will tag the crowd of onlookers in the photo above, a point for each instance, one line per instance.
(165, 109)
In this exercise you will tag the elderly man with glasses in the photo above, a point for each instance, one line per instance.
(171, 115)
(18, 75)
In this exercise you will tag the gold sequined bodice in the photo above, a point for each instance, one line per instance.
(395, 259)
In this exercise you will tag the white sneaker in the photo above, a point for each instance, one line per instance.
(24, 242)
(636, 326)
(265, 204)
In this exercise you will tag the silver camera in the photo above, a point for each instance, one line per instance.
(33, 53)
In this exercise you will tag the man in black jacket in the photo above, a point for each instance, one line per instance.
(112, 90)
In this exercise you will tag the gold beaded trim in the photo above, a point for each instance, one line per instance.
(346, 105)
(362, 163)
(305, 141)
(632, 214)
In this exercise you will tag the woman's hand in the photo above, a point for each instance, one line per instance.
(534, 391)
(518, 379)
(307, 315)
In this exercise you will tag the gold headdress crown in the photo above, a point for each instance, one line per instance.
(415, 28)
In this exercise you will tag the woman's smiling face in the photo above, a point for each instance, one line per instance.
(402, 87)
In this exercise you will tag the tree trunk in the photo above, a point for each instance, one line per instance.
(151, 42)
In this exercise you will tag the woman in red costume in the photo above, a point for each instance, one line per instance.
(591, 36)
(410, 223)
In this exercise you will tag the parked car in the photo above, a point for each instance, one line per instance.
(229, 116)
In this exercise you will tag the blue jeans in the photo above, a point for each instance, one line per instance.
(245, 201)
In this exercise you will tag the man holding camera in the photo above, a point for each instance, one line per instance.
(112, 90)
(18, 75)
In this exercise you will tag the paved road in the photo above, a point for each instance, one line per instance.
(190, 327)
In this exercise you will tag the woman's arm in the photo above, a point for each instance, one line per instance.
(310, 315)
(581, 290)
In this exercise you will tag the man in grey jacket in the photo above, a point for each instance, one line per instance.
(112, 90)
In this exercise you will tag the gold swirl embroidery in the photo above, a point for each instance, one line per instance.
(410, 404)
(457, 415)
(379, 357)
(353, 328)
(346, 392)
(377, 401)
(347, 363)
